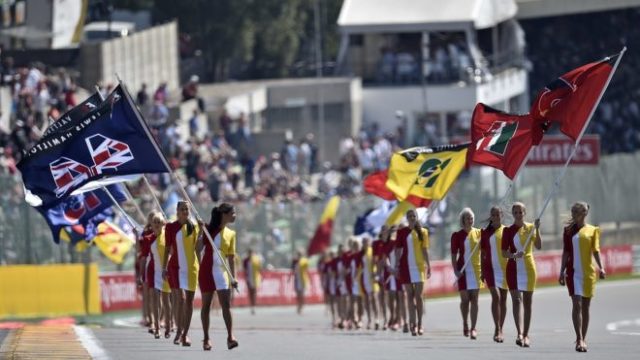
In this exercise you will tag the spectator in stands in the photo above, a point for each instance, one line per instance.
(225, 121)
(386, 72)
(142, 98)
(161, 94)
(193, 124)
(406, 67)
(190, 91)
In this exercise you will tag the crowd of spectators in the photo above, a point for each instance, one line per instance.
(221, 164)
(448, 61)
(556, 45)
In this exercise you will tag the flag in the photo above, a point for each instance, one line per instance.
(322, 237)
(376, 218)
(375, 184)
(111, 140)
(87, 209)
(76, 113)
(425, 173)
(398, 212)
(571, 98)
(502, 140)
(76, 236)
(112, 242)
(360, 226)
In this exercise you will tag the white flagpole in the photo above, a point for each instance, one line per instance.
(177, 180)
(500, 204)
(562, 172)
(155, 198)
(131, 222)
(135, 204)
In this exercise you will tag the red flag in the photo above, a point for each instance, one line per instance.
(417, 201)
(570, 99)
(375, 184)
(502, 140)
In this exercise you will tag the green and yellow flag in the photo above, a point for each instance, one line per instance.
(426, 173)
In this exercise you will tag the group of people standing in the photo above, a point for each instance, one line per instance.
(179, 256)
(387, 277)
(388, 273)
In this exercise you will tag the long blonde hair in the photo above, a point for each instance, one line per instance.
(584, 206)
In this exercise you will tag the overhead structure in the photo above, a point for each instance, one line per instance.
(367, 16)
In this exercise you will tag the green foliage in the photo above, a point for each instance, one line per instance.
(249, 38)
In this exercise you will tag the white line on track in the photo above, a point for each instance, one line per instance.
(90, 343)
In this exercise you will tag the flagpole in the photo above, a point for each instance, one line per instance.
(556, 183)
(135, 204)
(124, 213)
(113, 199)
(177, 180)
(97, 88)
(153, 194)
(502, 201)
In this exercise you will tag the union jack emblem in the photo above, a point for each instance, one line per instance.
(106, 153)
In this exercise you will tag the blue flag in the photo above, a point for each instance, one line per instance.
(110, 141)
(78, 112)
(87, 209)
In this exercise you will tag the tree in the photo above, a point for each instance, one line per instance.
(249, 39)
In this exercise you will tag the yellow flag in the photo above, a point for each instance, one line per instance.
(426, 173)
(398, 212)
(112, 241)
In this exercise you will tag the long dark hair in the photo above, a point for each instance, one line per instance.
(417, 226)
(216, 215)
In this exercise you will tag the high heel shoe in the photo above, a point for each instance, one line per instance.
(465, 330)
(206, 345)
(156, 333)
(473, 335)
(232, 344)
(186, 341)
(519, 340)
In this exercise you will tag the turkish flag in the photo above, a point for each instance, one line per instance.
(571, 98)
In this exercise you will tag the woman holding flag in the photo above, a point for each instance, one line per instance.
(379, 261)
(493, 270)
(356, 291)
(141, 265)
(300, 275)
(413, 267)
(213, 276)
(160, 287)
(340, 299)
(518, 241)
(581, 241)
(369, 286)
(252, 265)
(181, 268)
(465, 252)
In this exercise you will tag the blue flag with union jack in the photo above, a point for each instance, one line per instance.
(87, 209)
(110, 141)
